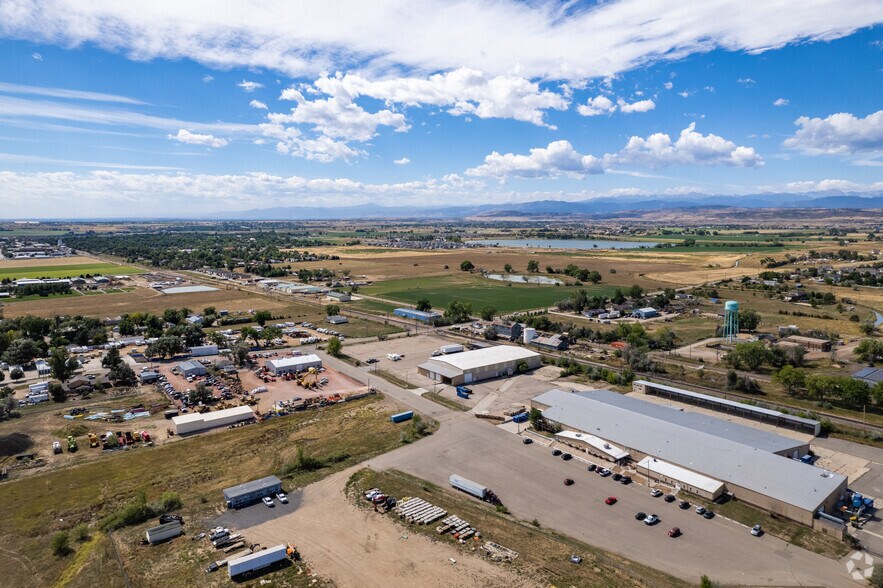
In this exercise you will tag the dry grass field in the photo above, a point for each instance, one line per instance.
(33, 263)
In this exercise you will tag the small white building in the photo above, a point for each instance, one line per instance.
(481, 364)
(43, 368)
(336, 319)
(191, 368)
(288, 365)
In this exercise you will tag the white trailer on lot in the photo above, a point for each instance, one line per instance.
(468, 486)
(203, 350)
(257, 561)
(163, 532)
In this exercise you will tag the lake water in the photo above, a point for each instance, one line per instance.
(565, 243)
(524, 279)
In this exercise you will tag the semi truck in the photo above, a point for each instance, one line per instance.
(473, 488)
(257, 561)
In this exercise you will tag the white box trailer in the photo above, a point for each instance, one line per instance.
(203, 350)
(448, 349)
(257, 561)
(163, 532)
(468, 486)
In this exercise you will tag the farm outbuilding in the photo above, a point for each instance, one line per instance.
(191, 368)
(195, 422)
(337, 320)
(253, 491)
(289, 365)
(481, 364)
(645, 313)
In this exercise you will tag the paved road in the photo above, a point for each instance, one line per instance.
(530, 482)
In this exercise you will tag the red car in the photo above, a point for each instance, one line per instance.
(674, 532)
(568, 482)
(610, 500)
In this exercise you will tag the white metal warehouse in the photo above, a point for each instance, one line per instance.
(754, 465)
(481, 364)
(288, 365)
(196, 422)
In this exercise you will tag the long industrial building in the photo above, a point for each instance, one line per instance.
(196, 422)
(702, 454)
(481, 364)
(250, 492)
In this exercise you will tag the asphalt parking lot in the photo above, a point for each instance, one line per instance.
(530, 481)
(257, 513)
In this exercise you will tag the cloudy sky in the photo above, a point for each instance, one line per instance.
(165, 108)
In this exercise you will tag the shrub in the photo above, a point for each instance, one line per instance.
(61, 544)
(81, 532)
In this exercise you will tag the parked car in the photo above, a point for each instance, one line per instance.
(656, 493)
(708, 514)
(556, 452)
(566, 457)
(683, 505)
(700, 510)
(576, 559)
(651, 520)
(592, 467)
(568, 482)
(527, 440)
(674, 532)
(604, 472)
(625, 480)
(617, 477)
(756, 531)
(168, 518)
(640, 516)
(268, 501)
(610, 500)
(281, 497)
(669, 498)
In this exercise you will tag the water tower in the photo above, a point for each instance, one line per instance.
(731, 321)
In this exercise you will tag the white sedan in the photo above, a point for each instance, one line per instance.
(281, 497)
(269, 501)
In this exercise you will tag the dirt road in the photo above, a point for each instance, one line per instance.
(360, 548)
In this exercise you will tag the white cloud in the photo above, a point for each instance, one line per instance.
(249, 86)
(463, 91)
(668, 85)
(545, 42)
(691, 148)
(827, 185)
(746, 81)
(639, 106)
(7, 88)
(338, 117)
(838, 133)
(258, 104)
(597, 105)
(208, 78)
(36, 56)
(402, 161)
(185, 136)
(684, 94)
(543, 162)
(781, 102)
(657, 150)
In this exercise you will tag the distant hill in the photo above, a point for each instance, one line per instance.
(593, 207)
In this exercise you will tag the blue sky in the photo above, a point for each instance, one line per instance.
(160, 109)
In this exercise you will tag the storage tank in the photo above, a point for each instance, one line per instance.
(529, 334)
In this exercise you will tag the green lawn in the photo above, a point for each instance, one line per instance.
(477, 291)
(67, 271)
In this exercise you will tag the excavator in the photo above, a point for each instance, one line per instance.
(309, 379)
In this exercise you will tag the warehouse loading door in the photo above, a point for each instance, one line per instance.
(467, 377)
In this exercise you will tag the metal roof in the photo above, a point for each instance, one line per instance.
(871, 375)
(670, 470)
(295, 361)
(253, 486)
(470, 360)
(213, 415)
(731, 403)
(440, 368)
(780, 478)
(600, 444)
(189, 365)
(697, 421)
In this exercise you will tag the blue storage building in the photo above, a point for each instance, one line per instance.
(428, 317)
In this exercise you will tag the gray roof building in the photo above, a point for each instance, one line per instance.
(252, 491)
(784, 484)
(870, 375)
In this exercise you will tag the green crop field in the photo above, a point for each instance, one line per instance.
(477, 291)
(66, 271)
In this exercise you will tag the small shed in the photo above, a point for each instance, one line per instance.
(337, 319)
(191, 368)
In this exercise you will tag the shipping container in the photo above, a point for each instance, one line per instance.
(257, 561)
(520, 418)
(402, 416)
(468, 486)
